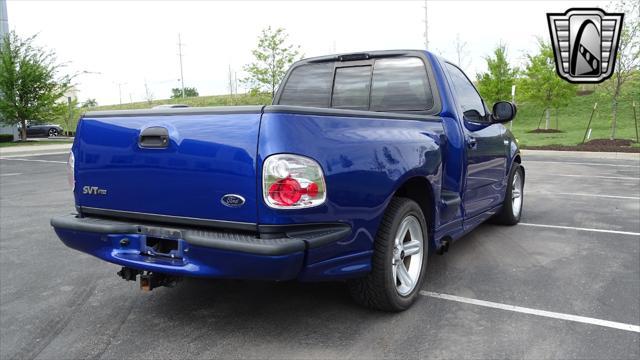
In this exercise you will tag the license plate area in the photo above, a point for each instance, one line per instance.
(157, 246)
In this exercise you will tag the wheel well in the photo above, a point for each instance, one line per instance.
(517, 159)
(419, 190)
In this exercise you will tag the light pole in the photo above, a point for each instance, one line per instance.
(180, 55)
(426, 26)
(120, 90)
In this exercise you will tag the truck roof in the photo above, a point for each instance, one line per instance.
(362, 55)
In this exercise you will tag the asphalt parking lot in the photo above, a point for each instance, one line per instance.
(563, 284)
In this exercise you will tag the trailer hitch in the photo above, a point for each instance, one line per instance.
(148, 280)
(151, 280)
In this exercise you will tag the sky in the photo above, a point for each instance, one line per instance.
(118, 46)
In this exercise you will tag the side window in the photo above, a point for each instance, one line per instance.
(308, 85)
(351, 88)
(468, 97)
(400, 84)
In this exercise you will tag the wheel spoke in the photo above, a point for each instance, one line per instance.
(412, 247)
(394, 271)
(403, 275)
(402, 232)
(516, 193)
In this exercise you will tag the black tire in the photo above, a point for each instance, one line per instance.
(506, 215)
(53, 132)
(378, 289)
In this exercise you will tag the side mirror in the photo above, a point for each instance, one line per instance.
(473, 116)
(503, 111)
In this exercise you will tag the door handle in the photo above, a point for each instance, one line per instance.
(155, 137)
(472, 143)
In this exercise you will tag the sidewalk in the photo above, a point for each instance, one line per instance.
(13, 151)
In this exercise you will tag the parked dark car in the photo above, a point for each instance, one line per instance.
(43, 130)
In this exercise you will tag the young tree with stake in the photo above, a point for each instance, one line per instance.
(541, 85)
(627, 60)
(273, 56)
(495, 85)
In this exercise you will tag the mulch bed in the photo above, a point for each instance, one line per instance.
(545, 131)
(603, 145)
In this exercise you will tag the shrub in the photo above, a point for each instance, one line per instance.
(6, 138)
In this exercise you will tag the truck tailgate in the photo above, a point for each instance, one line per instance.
(206, 155)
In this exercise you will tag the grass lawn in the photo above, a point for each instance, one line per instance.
(32, 142)
(572, 121)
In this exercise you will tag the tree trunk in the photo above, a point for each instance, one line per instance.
(548, 119)
(23, 130)
(614, 114)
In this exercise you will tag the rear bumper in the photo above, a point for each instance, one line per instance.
(200, 253)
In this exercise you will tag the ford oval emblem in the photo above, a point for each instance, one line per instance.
(232, 200)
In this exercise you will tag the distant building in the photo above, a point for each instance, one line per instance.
(4, 29)
(4, 18)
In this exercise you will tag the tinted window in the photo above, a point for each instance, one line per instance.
(351, 88)
(467, 96)
(400, 85)
(308, 85)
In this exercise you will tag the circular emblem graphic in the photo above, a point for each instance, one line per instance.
(232, 200)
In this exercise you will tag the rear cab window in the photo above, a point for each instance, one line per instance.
(393, 84)
(308, 85)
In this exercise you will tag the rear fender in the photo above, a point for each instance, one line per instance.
(365, 160)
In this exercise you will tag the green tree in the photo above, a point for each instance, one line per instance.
(89, 103)
(176, 93)
(627, 63)
(542, 85)
(273, 56)
(495, 84)
(72, 112)
(31, 84)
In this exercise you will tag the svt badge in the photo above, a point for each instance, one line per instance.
(585, 43)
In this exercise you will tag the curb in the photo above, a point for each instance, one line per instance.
(581, 154)
(35, 150)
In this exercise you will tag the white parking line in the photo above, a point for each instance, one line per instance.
(37, 154)
(34, 160)
(543, 313)
(581, 229)
(11, 174)
(596, 176)
(579, 163)
(581, 194)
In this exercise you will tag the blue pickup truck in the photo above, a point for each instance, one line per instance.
(363, 166)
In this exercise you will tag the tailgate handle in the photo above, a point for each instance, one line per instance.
(155, 137)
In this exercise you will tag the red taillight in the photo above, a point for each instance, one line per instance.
(292, 181)
(286, 191)
(312, 190)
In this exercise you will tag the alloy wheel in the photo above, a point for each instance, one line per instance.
(407, 255)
